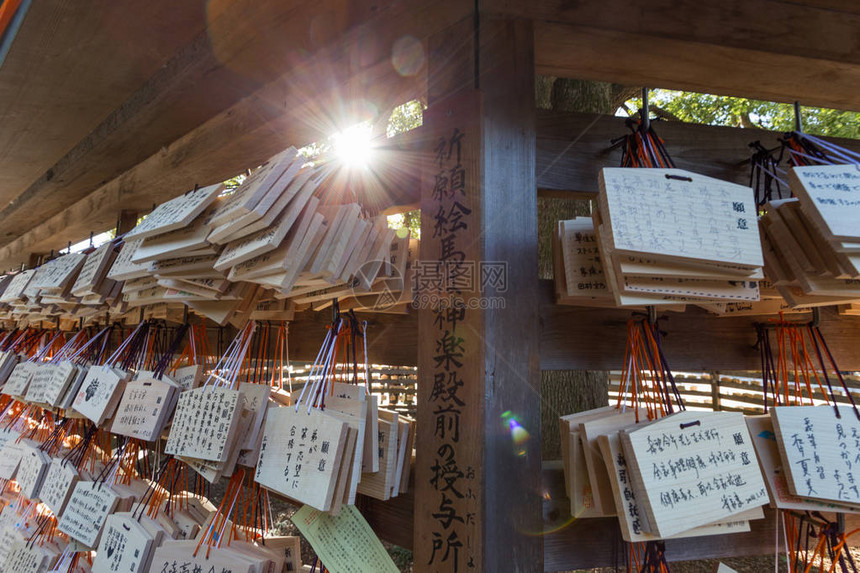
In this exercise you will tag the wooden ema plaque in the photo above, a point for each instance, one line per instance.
(86, 511)
(176, 213)
(830, 195)
(31, 471)
(24, 557)
(693, 468)
(820, 452)
(301, 455)
(19, 379)
(672, 214)
(94, 269)
(204, 423)
(144, 409)
(220, 559)
(767, 450)
(629, 510)
(100, 393)
(59, 482)
(125, 546)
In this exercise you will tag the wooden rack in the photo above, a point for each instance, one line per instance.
(216, 103)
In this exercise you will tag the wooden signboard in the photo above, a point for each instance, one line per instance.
(301, 454)
(59, 482)
(125, 546)
(176, 213)
(830, 196)
(86, 511)
(204, 423)
(693, 468)
(100, 393)
(820, 452)
(767, 450)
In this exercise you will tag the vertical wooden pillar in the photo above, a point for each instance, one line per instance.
(126, 221)
(478, 473)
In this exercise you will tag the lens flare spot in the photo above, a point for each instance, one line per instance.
(352, 146)
(519, 435)
(407, 56)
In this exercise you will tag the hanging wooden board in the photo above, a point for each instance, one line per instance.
(123, 268)
(370, 447)
(380, 484)
(24, 557)
(204, 423)
(15, 290)
(144, 409)
(31, 471)
(267, 239)
(19, 379)
(830, 196)
(86, 511)
(240, 205)
(693, 468)
(57, 274)
(820, 452)
(301, 454)
(176, 213)
(39, 383)
(125, 546)
(677, 215)
(59, 482)
(93, 272)
(630, 511)
(100, 393)
(767, 450)
(220, 560)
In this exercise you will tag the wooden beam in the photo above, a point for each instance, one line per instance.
(309, 60)
(478, 391)
(71, 64)
(826, 31)
(571, 150)
(579, 338)
(310, 101)
(776, 50)
(578, 51)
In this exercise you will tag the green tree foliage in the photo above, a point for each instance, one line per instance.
(740, 112)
